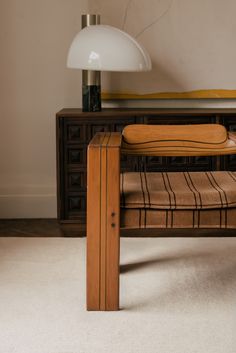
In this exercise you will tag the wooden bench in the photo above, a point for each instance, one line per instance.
(151, 201)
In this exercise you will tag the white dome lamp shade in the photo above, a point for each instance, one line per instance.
(105, 48)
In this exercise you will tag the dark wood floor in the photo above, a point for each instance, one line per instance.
(30, 228)
(51, 228)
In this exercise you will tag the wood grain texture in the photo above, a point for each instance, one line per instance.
(197, 94)
(113, 229)
(108, 113)
(103, 222)
(93, 229)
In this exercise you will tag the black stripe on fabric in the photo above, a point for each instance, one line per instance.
(170, 203)
(167, 176)
(168, 214)
(226, 217)
(142, 189)
(224, 193)
(166, 218)
(195, 198)
(140, 218)
(221, 201)
(148, 193)
(232, 175)
(143, 217)
(194, 187)
(148, 197)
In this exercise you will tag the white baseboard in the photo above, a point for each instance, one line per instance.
(28, 204)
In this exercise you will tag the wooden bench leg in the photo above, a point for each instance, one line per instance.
(103, 232)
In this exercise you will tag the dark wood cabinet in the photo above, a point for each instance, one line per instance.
(75, 129)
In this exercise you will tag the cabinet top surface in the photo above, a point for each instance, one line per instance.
(108, 112)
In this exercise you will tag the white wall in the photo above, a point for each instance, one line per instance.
(191, 43)
(34, 85)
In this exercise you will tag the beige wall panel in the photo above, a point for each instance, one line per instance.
(191, 43)
(35, 83)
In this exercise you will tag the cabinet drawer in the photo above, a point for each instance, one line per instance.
(76, 155)
(75, 132)
(228, 162)
(178, 120)
(128, 163)
(110, 124)
(76, 203)
(203, 162)
(156, 163)
(94, 128)
(76, 181)
(118, 127)
(230, 123)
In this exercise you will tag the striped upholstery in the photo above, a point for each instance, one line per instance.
(178, 200)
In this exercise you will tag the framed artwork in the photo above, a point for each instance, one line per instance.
(191, 44)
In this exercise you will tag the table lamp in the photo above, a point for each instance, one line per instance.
(104, 48)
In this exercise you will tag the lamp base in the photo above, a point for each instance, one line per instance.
(91, 98)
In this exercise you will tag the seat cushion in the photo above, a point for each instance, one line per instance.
(150, 218)
(178, 200)
(178, 190)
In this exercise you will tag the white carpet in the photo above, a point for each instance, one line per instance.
(177, 296)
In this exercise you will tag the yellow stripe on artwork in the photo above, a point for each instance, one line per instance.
(200, 94)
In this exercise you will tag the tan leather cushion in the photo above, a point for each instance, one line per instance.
(203, 133)
(174, 140)
(178, 190)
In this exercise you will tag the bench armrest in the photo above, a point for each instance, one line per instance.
(106, 139)
(103, 221)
